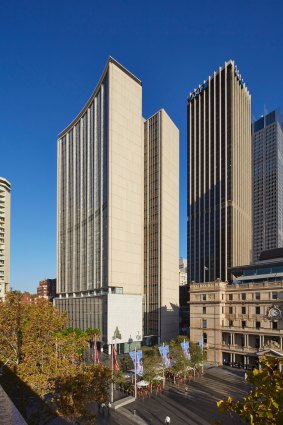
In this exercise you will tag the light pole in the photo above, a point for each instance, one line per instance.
(117, 334)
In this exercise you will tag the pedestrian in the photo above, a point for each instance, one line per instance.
(167, 420)
(246, 376)
(109, 407)
(103, 405)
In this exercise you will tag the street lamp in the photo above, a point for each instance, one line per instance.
(117, 334)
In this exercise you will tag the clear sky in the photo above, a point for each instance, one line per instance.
(52, 55)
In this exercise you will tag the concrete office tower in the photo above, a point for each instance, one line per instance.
(219, 176)
(100, 210)
(267, 141)
(161, 227)
(5, 189)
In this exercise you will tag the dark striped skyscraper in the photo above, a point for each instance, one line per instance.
(219, 176)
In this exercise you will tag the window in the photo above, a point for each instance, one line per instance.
(274, 325)
(204, 336)
(257, 295)
(204, 297)
(274, 295)
(222, 310)
(230, 310)
(230, 297)
(203, 310)
(230, 322)
(243, 323)
(244, 296)
(257, 310)
(257, 325)
(243, 310)
(204, 323)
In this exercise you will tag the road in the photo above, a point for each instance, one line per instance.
(198, 405)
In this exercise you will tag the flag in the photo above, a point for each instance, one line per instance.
(115, 361)
(201, 342)
(97, 361)
(137, 360)
(164, 352)
(186, 349)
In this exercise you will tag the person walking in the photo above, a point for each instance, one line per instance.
(167, 420)
(109, 407)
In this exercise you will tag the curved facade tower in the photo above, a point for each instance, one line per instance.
(112, 265)
(5, 189)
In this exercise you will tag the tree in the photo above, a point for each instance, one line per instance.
(152, 364)
(11, 329)
(74, 394)
(38, 348)
(264, 403)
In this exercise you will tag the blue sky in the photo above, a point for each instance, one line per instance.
(52, 54)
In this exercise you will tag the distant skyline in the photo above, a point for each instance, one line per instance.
(52, 54)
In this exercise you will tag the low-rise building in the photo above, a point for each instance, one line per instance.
(182, 271)
(47, 289)
(239, 322)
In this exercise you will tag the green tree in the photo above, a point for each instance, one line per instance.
(152, 364)
(264, 402)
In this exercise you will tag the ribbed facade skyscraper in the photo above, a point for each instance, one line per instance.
(102, 236)
(219, 176)
(5, 189)
(267, 139)
(161, 226)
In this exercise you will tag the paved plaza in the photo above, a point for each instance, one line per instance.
(197, 406)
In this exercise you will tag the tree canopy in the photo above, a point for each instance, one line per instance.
(264, 402)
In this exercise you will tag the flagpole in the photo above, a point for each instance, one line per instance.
(202, 355)
(135, 373)
(112, 373)
(163, 367)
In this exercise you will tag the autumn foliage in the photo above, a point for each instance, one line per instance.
(38, 348)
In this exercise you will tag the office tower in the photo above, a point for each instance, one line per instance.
(219, 176)
(161, 226)
(267, 152)
(100, 210)
(5, 189)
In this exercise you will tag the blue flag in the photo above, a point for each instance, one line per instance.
(201, 342)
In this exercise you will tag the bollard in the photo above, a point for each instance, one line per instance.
(134, 412)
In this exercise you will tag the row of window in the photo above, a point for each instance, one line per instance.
(244, 324)
(274, 296)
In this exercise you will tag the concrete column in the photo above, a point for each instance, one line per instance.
(248, 343)
(281, 343)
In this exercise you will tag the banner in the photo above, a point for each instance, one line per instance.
(164, 352)
(97, 361)
(201, 342)
(139, 366)
(115, 361)
(186, 349)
